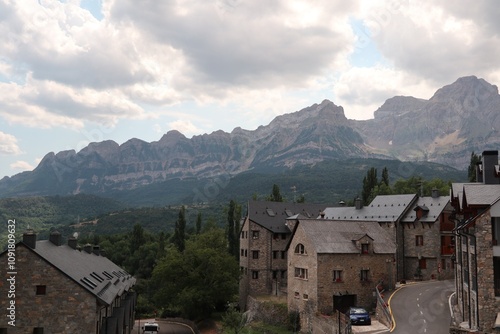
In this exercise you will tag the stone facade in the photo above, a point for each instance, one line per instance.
(75, 307)
(50, 300)
(317, 280)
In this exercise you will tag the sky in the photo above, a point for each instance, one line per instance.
(74, 72)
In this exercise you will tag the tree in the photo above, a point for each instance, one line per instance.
(199, 280)
(275, 194)
(137, 239)
(385, 177)
(471, 171)
(232, 236)
(198, 223)
(179, 237)
(234, 321)
(369, 183)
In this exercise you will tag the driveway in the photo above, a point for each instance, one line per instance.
(375, 328)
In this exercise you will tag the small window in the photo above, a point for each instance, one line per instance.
(255, 254)
(275, 274)
(255, 274)
(246, 252)
(283, 236)
(255, 234)
(38, 330)
(301, 273)
(41, 290)
(365, 248)
(300, 249)
(276, 236)
(305, 296)
(337, 276)
(283, 274)
(242, 252)
(283, 255)
(365, 275)
(419, 240)
(296, 294)
(276, 254)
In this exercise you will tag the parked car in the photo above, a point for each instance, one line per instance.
(359, 316)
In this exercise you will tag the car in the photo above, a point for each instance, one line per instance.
(359, 316)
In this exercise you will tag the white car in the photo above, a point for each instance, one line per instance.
(150, 328)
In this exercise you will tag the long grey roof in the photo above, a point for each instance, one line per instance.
(384, 208)
(335, 236)
(273, 215)
(434, 205)
(481, 194)
(95, 273)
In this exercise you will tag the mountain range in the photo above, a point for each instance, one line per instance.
(459, 118)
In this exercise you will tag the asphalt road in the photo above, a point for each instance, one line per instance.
(165, 328)
(422, 308)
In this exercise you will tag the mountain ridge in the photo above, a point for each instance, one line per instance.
(459, 118)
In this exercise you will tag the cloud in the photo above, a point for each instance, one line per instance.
(185, 127)
(8, 144)
(20, 166)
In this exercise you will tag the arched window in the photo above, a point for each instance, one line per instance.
(300, 249)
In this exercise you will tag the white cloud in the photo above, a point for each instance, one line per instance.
(8, 144)
(20, 166)
(185, 127)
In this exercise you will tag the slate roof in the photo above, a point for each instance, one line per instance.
(273, 215)
(337, 237)
(434, 205)
(481, 194)
(97, 274)
(383, 208)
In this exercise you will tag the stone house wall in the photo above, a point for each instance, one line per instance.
(430, 249)
(65, 307)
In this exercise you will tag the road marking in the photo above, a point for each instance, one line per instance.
(421, 313)
(418, 305)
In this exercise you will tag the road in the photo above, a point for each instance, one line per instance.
(422, 308)
(165, 327)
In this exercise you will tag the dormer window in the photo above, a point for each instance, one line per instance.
(300, 249)
(365, 248)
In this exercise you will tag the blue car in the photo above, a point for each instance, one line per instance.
(359, 316)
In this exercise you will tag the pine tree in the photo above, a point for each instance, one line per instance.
(275, 195)
(471, 171)
(179, 238)
(198, 223)
(369, 183)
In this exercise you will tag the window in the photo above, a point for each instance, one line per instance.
(275, 254)
(419, 240)
(337, 275)
(246, 252)
(422, 263)
(276, 236)
(255, 234)
(301, 273)
(41, 289)
(283, 274)
(255, 254)
(305, 296)
(283, 236)
(296, 294)
(255, 274)
(365, 275)
(365, 248)
(275, 274)
(300, 249)
(242, 252)
(283, 255)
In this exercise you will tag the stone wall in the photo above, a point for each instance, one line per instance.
(65, 307)
(430, 250)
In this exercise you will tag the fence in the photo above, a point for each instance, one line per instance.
(382, 308)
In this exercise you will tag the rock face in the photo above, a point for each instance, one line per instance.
(459, 118)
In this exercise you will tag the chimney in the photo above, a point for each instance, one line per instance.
(490, 159)
(96, 250)
(435, 193)
(479, 172)
(322, 214)
(341, 203)
(358, 203)
(103, 253)
(72, 242)
(56, 238)
(87, 248)
(29, 238)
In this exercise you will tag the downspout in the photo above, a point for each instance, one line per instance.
(475, 271)
(468, 271)
(403, 260)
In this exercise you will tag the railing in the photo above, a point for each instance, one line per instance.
(381, 304)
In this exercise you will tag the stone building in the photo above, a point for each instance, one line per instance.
(336, 264)
(387, 211)
(477, 249)
(58, 288)
(264, 236)
(428, 239)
